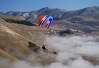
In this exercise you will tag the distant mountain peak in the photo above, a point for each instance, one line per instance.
(90, 11)
(58, 13)
(94, 7)
(45, 8)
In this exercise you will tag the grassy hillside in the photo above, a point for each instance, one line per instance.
(15, 39)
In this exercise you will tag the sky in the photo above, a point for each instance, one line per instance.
(29, 5)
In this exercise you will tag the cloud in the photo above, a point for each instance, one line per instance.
(70, 51)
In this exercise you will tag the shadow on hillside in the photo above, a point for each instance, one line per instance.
(24, 22)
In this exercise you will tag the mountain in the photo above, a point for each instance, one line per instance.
(56, 13)
(86, 19)
(89, 11)
(20, 39)
(22, 45)
(17, 41)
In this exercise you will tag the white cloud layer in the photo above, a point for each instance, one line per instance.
(71, 51)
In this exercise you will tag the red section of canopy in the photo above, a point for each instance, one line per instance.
(40, 19)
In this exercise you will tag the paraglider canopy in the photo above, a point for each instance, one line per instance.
(44, 21)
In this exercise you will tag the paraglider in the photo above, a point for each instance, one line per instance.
(44, 21)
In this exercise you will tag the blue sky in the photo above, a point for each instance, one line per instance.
(28, 5)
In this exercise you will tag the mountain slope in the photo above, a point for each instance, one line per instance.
(86, 19)
(15, 40)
